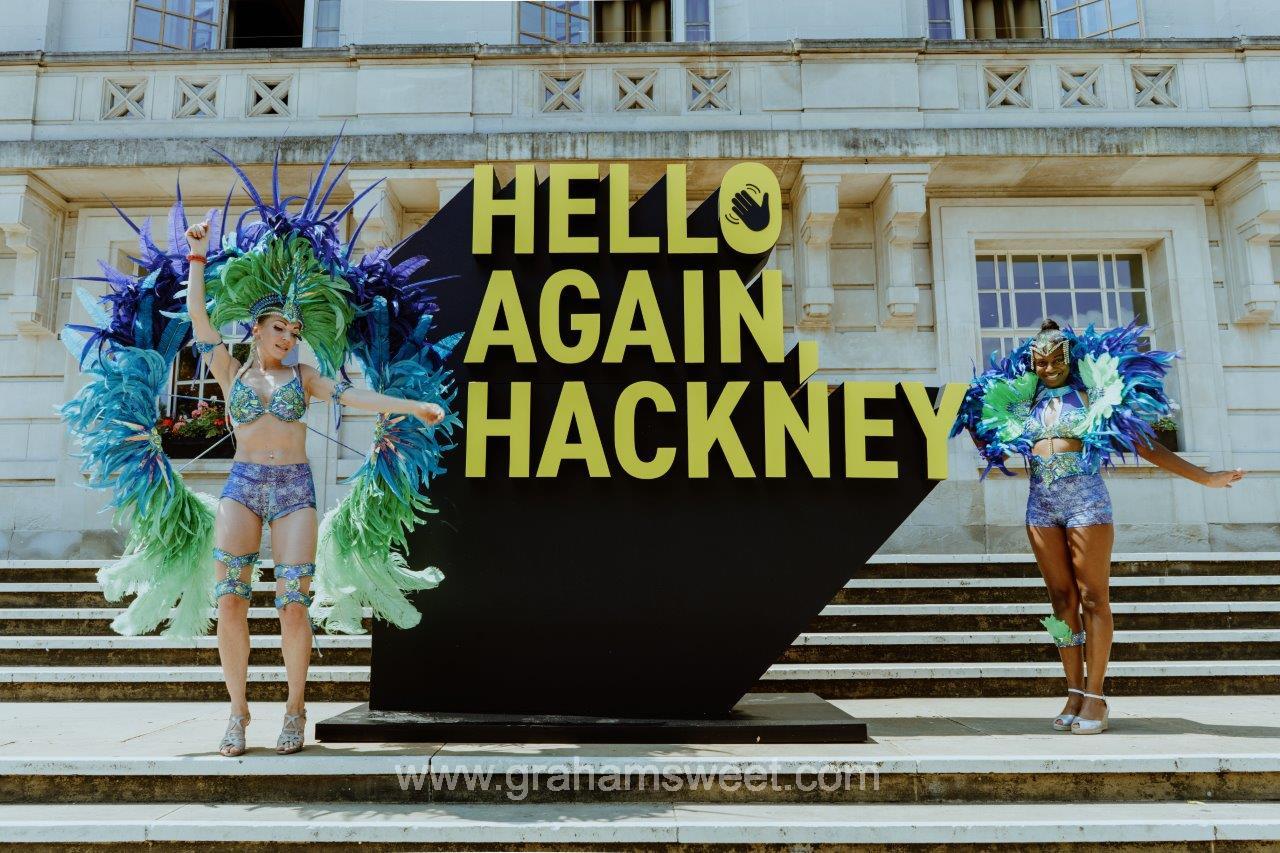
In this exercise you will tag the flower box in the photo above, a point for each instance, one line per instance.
(182, 447)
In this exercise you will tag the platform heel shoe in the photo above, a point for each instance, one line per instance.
(1081, 726)
(1062, 722)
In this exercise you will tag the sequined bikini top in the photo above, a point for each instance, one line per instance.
(1071, 414)
(288, 402)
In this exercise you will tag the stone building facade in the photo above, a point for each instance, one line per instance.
(945, 188)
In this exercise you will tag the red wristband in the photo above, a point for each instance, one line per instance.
(200, 258)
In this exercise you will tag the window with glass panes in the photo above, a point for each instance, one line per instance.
(188, 387)
(1016, 292)
(939, 19)
(697, 20)
(1089, 19)
(176, 25)
(554, 23)
(328, 16)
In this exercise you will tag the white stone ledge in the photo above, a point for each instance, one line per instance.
(1128, 669)
(113, 612)
(1018, 638)
(151, 643)
(1040, 609)
(1122, 557)
(649, 823)
(1036, 583)
(167, 674)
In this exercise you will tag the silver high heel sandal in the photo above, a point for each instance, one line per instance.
(233, 738)
(290, 740)
(1063, 722)
(1081, 726)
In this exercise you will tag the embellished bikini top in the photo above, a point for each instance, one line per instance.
(288, 402)
(1057, 413)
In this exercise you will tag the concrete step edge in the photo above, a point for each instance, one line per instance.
(113, 612)
(1037, 609)
(1038, 583)
(1015, 638)
(625, 824)
(1007, 669)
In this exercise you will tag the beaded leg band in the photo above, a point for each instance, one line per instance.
(232, 583)
(293, 574)
(1076, 639)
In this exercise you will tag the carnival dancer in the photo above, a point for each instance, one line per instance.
(287, 278)
(1068, 402)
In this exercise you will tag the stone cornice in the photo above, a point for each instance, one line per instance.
(704, 144)
(693, 50)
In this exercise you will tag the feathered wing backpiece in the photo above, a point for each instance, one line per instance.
(356, 565)
(1124, 383)
(129, 353)
(273, 259)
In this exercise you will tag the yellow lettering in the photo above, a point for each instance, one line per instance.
(858, 428)
(624, 430)
(485, 207)
(500, 297)
(480, 428)
(586, 325)
(573, 408)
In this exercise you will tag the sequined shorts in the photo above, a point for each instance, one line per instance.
(1066, 493)
(271, 491)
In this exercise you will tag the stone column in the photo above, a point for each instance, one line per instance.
(815, 202)
(899, 212)
(381, 206)
(31, 220)
(1250, 205)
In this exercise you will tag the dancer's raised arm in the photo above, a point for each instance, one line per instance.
(208, 339)
(1159, 455)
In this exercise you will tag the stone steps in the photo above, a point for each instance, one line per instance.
(569, 826)
(923, 625)
(64, 594)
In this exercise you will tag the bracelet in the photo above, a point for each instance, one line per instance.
(339, 389)
(200, 258)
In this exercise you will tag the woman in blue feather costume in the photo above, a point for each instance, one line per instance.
(287, 278)
(1068, 402)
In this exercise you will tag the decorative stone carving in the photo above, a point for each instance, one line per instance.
(401, 189)
(270, 96)
(1250, 205)
(899, 211)
(1080, 87)
(708, 92)
(124, 99)
(1155, 85)
(197, 97)
(1007, 86)
(31, 220)
(815, 203)
(634, 90)
(561, 91)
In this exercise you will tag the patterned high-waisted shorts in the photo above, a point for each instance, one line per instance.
(271, 491)
(1065, 493)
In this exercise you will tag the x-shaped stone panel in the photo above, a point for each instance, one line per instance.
(1080, 86)
(1154, 86)
(196, 98)
(269, 96)
(709, 91)
(561, 92)
(635, 90)
(123, 99)
(1007, 87)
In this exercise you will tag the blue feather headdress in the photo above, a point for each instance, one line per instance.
(1124, 384)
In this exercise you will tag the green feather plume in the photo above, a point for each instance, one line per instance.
(1060, 631)
(287, 267)
(361, 570)
(166, 563)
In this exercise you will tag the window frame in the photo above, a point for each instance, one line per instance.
(202, 377)
(1047, 13)
(545, 6)
(1013, 334)
(160, 7)
(680, 21)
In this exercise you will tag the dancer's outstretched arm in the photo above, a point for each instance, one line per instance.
(322, 388)
(221, 363)
(1158, 454)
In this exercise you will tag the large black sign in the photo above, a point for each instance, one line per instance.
(648, 502)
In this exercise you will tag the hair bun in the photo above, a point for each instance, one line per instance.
(1049, 325)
